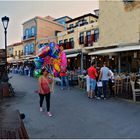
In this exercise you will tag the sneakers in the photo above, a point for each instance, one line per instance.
(41, 109)
(49, 114)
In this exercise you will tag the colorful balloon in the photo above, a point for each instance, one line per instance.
(50, 58)
(37, 73)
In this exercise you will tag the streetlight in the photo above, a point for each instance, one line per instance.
(5, 21)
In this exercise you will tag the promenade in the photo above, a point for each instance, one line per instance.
(74, 115)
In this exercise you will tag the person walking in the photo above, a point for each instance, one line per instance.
(104, 77)
(64, 79)
(44, 90)
(92, 73)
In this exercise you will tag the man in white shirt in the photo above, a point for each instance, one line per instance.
(104, 77)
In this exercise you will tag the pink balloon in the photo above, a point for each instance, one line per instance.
(63, 59)
(55, 73)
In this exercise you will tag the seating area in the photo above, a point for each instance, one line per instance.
(123, 86)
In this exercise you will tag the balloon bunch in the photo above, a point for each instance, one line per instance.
(52, 58)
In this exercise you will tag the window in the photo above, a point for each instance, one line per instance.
(15, 53)
(32, 48)
(26, 50)
(71, 26)
(22, 52)
(71, 41)
(19, 53)
(33, 31)
(96, 35)
(65, 43)
(88, 36)
(81, 38)
(27, 33)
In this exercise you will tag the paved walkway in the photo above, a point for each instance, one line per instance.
(75, 116)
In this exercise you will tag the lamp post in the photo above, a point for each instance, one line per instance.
(5, 21)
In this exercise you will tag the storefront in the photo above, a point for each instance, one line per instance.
(121, 59)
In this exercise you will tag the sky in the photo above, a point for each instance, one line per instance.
(21, 11)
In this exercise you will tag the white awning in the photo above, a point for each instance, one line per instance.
(72, 55)
(119, 49)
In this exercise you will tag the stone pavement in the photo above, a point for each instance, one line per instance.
(75, 116)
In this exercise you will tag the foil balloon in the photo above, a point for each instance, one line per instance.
(38, 62)
(44, 52)
(56, 63)
(37, 73)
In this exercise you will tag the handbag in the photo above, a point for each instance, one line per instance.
(99, 84)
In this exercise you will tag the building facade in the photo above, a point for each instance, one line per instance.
(10, 51)
(63, 20)
(82, 33)
(37, 32)
(15, 52)
(119, 40)
(118, 25)
(18, 50)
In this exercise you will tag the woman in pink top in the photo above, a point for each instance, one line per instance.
(44, 90)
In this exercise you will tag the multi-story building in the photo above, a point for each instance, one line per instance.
(18, 50)
(82, 34)
(15, 52)
(10, 51)
(63, 20)
(37, 32)
(119, 41)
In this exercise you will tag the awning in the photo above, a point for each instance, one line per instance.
(72, 55)
(119, 49)
(13, 60)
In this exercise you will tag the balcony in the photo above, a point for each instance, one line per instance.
(68, 45)
(88, 44)
(32, 37)
(71, 31)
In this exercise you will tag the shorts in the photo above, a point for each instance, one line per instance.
(92, 84)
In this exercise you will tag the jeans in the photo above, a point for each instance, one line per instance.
(64, 79)
(105, 83)
(99, 91)
(47, 96)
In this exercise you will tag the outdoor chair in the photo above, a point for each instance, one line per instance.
(118, 86)
(126, 84)
(136, 92)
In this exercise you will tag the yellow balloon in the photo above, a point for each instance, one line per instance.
(56, 66)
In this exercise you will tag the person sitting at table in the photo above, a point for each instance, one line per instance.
(79, 71)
